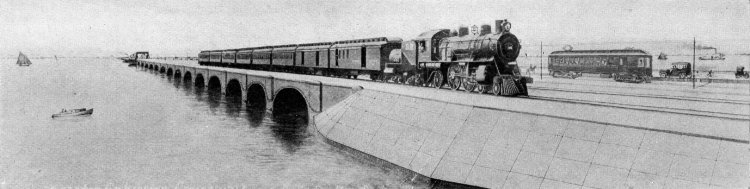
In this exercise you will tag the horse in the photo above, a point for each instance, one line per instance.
(532, 69)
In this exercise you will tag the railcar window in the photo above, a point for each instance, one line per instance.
(640, 62)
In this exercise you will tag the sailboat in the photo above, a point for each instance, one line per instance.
(23, 60)
(662, 56)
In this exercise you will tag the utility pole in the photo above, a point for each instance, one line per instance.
(694, 67)
(541, 54)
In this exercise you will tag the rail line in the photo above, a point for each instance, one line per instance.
(682, 111)
(684, 98)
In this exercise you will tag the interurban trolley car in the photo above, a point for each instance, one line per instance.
(483, 61)
(622, 64)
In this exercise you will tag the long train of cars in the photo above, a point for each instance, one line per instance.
(483, 62)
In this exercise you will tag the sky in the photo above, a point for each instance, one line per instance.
(184, 27)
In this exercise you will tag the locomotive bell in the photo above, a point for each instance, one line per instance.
(463, 31)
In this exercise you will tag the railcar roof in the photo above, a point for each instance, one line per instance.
(368, 40)
(601, 52)
(429, 34)
(680, 63)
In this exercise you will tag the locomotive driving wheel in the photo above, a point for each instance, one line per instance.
(437, 79)
(454, 81)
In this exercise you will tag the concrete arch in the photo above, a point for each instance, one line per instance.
(162, 69)
(256, 96)
(188, 76)
(178, 73)
(290, 105)
(169, 71)
(234, 88)
(214, 84)
(200, 81)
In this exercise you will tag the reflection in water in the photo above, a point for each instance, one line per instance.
(255, 117)
(214, 99)
(291, 134)
(234, 105)
(199, 93)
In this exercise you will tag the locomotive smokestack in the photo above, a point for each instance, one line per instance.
(486, 29)
(463, 31)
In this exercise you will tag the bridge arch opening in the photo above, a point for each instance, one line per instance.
(169, 71)
(187, 76)
(177, 74)
(199, 81)
(234, 89)
(154, 67)
(256, 97)
(162, 70)
(214, 84)
(290, 106)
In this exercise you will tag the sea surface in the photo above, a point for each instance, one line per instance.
(149, 130)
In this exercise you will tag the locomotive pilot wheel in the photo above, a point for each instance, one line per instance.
(469, 85)
(454, 81)
(496, 87)
(482, 88)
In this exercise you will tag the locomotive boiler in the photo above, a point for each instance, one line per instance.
(484, 61)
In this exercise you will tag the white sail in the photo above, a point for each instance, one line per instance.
(23, 60)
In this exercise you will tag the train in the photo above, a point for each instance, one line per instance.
(612, 63)
(484, 61)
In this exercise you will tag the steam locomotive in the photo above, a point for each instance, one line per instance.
(483, 61)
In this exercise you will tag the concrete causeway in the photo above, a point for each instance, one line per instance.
(500, 142)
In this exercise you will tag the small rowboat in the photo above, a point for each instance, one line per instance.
(74, 112)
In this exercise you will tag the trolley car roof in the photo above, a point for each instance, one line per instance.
(600, 52)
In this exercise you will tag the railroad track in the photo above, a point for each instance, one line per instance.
(658, 109)
(684, 98)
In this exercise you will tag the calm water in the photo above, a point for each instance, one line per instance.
(149, 130)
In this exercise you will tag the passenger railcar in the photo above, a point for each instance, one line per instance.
(362, 56)
(282, 57)
(228, 57)
(312, 58)
(243, 57)
(607, 63)
(214, 58)
(203, 57)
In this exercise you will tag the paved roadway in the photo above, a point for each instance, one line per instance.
(717, 111)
